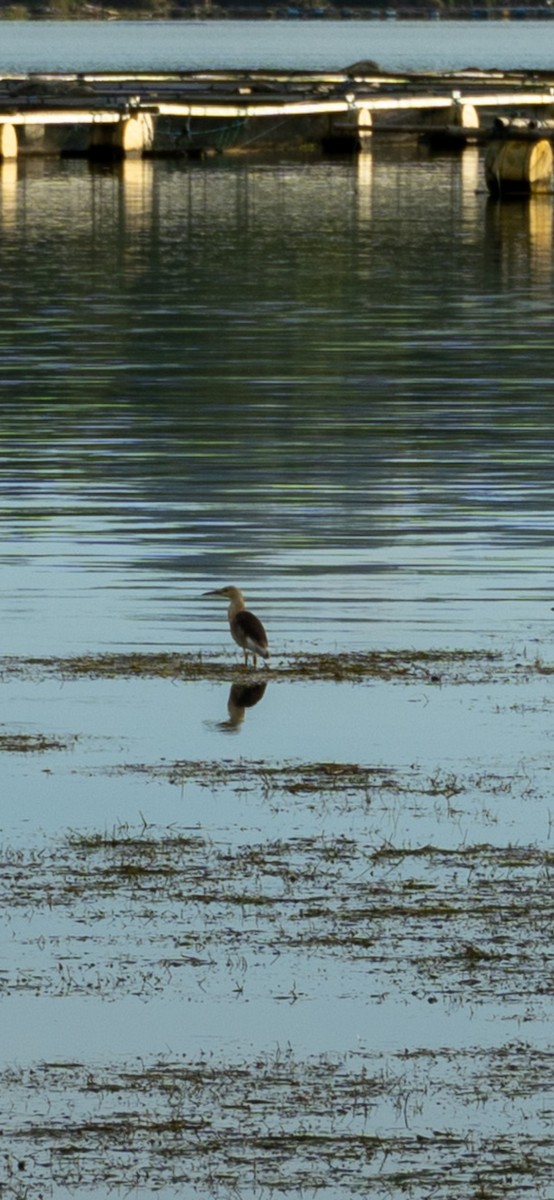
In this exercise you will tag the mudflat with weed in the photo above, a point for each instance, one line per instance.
(257, 893)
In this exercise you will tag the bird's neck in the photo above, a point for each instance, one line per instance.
(236, 606)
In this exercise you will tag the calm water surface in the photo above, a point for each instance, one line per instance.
(309, 45)
(330, 382)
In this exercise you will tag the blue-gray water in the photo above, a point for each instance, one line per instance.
(328, 382)
(331, 382)
(314, 45)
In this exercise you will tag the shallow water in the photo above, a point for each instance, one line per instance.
(487, 733)
(329, 383)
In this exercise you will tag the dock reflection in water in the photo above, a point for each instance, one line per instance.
(521, 232)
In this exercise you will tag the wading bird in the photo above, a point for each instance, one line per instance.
(246, 629)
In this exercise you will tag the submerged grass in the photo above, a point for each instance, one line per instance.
(360, 1123)
(32, 743)
(319, 779)
(147, 908)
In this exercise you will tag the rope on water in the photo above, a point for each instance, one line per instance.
(255, 137)
(221, 135)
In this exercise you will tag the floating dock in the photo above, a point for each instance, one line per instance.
(193, 113)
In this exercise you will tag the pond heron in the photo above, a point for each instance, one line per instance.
(246, 629)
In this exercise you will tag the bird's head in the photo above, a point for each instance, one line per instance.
(230, 593)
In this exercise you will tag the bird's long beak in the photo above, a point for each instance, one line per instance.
(217, 592)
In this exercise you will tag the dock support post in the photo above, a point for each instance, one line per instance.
(451, 127)
(349, 135)
(365, 128)
(128, 138)
(8, 141)
(135, 134)
(463, 116)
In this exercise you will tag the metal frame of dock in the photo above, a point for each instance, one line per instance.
(132, 103)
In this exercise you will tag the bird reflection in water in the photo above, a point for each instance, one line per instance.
(241, 697)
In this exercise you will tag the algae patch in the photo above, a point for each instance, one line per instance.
(448, 666)
(33, 743)
(342, 781)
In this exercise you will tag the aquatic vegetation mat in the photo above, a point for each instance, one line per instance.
(471, 1123)
(141, 913)
(447, 666)
(32, 743)
(320, 780)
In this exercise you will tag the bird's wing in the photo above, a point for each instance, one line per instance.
(251, 627)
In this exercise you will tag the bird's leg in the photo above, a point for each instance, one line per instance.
(245, 657)
(255, 661)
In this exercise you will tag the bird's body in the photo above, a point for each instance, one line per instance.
(246, 629)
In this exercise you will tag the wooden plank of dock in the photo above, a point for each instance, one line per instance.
(56, 114)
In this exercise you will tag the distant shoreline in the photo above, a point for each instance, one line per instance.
(168, 10)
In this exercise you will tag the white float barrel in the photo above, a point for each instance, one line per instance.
(518, 167)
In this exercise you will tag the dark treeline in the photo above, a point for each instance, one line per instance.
(293, 9)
